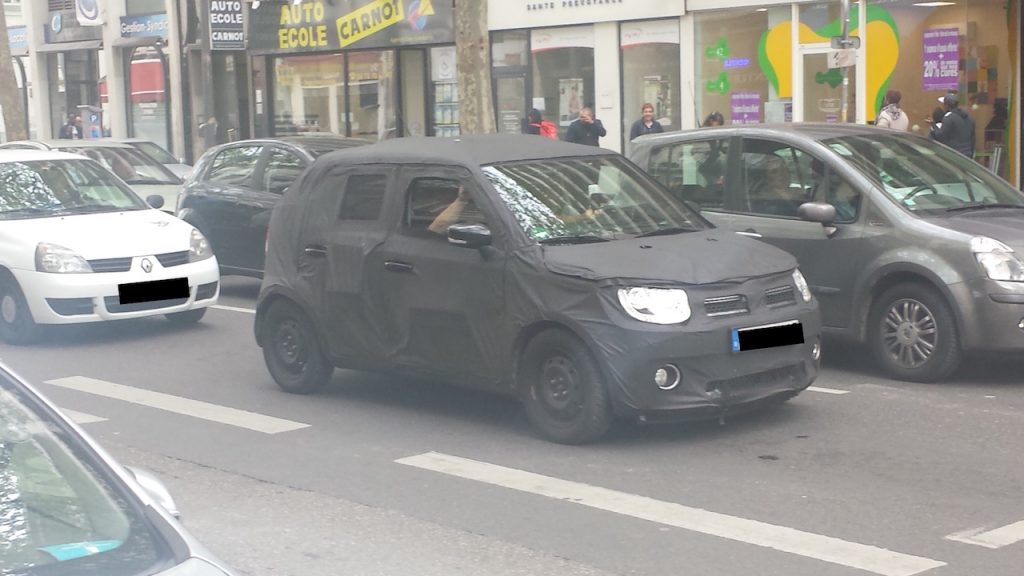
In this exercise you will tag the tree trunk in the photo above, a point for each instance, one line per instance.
(473, 62)
(10, 94)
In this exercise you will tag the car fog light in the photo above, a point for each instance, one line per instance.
(816, 351)
(666, 377)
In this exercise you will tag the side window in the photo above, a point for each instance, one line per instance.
(434, 204)
(281, 170)
(775, 178)
(364, 197)
(693, 171)
(831, 188)
(235, 165)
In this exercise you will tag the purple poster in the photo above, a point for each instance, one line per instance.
(942, 59)
(746, 107)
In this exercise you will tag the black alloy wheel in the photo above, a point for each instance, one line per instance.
(292, 350)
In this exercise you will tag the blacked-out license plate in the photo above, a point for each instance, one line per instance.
(770, 336)
(137, 292)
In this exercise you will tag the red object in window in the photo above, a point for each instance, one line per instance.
(147, 81)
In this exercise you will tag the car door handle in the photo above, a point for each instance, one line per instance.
(750, 232)
(315, 250)
(393, 266)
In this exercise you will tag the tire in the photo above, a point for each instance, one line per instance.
(912, 334)
(16, 323)
(563, 391)
(187, 317)
(292, 350)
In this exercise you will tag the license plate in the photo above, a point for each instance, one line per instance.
(138, 292)
(770, 336)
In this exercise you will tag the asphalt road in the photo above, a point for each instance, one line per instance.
(379, 475)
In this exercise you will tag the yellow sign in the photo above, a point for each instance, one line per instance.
(301, 26)
(426, 8)
(368, 20)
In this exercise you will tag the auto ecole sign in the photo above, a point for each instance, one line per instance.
(318, 25)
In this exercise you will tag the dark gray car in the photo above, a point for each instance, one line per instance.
(557, 272)
(909, 246)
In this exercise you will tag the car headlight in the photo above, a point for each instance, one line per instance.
(656, 305)
(998, 260)
(59, 260)
(801, 285)
(199, 247)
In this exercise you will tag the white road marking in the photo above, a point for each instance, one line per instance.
(82, 417)
(179, 405)
(233, 309)
(997, 538)
(827, 390)
(825, 548)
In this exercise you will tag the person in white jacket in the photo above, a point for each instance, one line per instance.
(891, 115)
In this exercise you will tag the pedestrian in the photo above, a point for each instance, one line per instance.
(935, 121)
(957, 127)
(714, 119)
(208, 132)
(69, 130)
(646, 124)
(586, 129)
(536, 124)
(891, 116)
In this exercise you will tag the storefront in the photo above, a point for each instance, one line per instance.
(142, 43)
(18, 41)
(354, 67)
(73, 70)
(612, 56)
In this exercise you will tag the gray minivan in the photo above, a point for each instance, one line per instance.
(909, 246)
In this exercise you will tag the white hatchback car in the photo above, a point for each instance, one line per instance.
(77, 245)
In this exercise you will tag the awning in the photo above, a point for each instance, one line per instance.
(71, 46)
(21, 52)
(135, 41)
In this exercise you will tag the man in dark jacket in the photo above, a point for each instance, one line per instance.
(586, 129)
(957, 130)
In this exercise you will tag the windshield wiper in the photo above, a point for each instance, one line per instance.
(581, 239)
(29, 210)
(666, 231)
(984, 207)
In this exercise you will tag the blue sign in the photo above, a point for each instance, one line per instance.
(736, 63)
(146, 25)
(17, 38)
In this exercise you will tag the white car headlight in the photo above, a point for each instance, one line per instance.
(801, 285)
(59, 260)
(656, 305)
(199, 248)
(998, 260)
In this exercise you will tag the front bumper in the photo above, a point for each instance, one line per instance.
(990, 313)
(93, 297)
(713, 379)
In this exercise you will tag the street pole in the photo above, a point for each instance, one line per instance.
(845, 16)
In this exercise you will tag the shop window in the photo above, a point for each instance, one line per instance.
(371, 93)
(309, 94)
(650, 72)
(563, 73)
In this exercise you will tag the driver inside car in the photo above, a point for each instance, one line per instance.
(835, 191)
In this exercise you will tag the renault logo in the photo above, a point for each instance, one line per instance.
(147, 265)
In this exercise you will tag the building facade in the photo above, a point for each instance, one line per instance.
(758, 61)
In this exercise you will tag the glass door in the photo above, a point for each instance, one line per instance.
(823, 89)
(510, 94)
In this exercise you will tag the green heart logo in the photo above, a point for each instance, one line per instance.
(833, 78)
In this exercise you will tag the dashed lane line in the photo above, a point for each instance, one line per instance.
(996, 538)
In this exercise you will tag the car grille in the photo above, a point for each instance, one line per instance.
(125, 264)
(111, 264)
(206, 291)
(726, 305)
(173, 258)
(795, 373)
(70, 306)
(779, 296)
(114, 305)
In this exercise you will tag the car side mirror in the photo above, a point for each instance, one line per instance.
(155, 200)
(820, 212)
(469, 235)
(155, 489)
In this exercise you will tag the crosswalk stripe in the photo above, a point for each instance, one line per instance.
(179, 405)
(825, 548)
(233, 309)
(827, 390)
(81, 417)
(997, 538)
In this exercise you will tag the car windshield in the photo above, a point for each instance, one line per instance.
(155, 152)
(61, 187)
(923, 176)
(598, 198)
(129, 164)
(62, 511)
